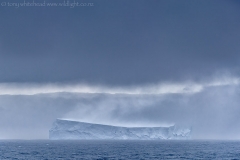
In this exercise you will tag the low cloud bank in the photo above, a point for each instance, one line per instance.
(162, 88)
(213, 111)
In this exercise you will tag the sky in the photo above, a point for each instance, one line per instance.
(128, 63)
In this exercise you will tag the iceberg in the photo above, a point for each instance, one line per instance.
(73, 130)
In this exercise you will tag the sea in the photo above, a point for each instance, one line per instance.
(118, 149)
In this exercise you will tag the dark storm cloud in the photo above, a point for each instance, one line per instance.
(119, 43)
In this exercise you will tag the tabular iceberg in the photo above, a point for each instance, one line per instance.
(67, 130)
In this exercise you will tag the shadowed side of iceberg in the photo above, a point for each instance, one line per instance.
(67, 130)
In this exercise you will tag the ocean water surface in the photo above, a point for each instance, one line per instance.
(116, 149)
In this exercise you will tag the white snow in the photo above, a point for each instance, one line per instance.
(66, 129)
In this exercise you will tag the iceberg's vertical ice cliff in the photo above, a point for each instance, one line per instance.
(65, 129)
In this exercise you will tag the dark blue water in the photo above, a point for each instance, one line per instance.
(106, 150)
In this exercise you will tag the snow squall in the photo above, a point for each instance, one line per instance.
(67, 130)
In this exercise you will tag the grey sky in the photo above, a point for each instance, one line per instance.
(120, 43)
(121, 63)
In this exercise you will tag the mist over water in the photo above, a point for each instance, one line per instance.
(213, 112)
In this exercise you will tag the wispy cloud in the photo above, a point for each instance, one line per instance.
(161, 88)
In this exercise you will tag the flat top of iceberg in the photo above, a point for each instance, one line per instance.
(76, 121)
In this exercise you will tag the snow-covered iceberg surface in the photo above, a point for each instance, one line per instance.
(66, 129)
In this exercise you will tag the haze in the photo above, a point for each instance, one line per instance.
(128, 63)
